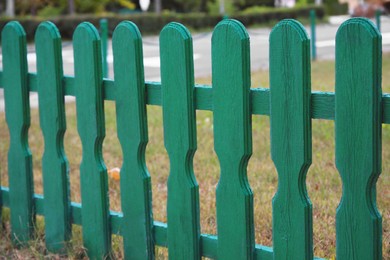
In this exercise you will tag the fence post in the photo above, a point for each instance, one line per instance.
(313, 34)
(378, 19)
(104, 39)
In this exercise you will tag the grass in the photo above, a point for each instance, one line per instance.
(323, 181)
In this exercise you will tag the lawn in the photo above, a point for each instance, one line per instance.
(323, 181)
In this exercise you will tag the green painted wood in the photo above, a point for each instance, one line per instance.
(208, 242)
(233, 139)
(17, 115)
(1, 204)
(4, 196)
(177, 77)
(313, 17)
(104, 38)
(378, 14)
(386, 108)
(53, 124)
(131, 119)
(91, 128)
(322, 106)
(322, 103)
(358, 139)
(291, 140)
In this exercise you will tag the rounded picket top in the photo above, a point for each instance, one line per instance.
(232, 28)
(288, 27)
(358, 26)
(13, 29)
(47, 28)
(126, 29)
(86, 31)
(175, 28)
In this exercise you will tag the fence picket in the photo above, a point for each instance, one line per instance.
(358, 109)
(17, 114)
(53, 124)
(358, 139)
(133, 134)
(233, 139)
(91, 128)
(291, 139)
(177, 79)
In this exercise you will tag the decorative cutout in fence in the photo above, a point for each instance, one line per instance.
(358, 108)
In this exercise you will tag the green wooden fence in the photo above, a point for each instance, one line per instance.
(358, 108)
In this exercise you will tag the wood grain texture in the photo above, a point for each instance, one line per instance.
(291, 140)
(358, 139)
(233, 139)
(359, 108)
(53, 124)
(131, 117)
(91, 128)
(177, 80)
(17, 115)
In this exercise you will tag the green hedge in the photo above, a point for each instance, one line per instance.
(333, 7)
(150, 23)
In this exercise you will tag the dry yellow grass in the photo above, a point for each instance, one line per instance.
(323, 181)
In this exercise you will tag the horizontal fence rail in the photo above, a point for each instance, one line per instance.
(358, 108)
(322, 104)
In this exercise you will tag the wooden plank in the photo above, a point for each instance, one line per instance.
(264, 253)
(203, 97)
(386, 108)
(76, 213)
(4, 196)
(358, 139)
(260, 101)
(233, 139)
(17, 115)
(1, 204)
(32, 82)
(53, 123)
(322, 103)
(291, 140)
(116, 223)
(133, 135)
(160, 234)
(177, 77)
(91, 128)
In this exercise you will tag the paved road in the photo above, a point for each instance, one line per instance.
(202, 51)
